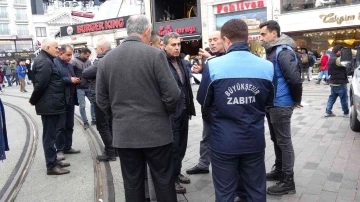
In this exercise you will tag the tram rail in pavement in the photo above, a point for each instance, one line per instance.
(104, 186)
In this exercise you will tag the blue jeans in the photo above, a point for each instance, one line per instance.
(322, 73)
(81, 93)
(8, 80)
(338, 91)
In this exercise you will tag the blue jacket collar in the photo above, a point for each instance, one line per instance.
(238, 46)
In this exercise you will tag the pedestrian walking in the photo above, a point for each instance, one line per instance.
(238, 86)
(103, 121)
(185, 107)
(288, 95)
(338, 83)
(146, 94)
(7, 70)
(21, 73)
(324, 68)
(49, 100)
(15, 78)
(64, 139)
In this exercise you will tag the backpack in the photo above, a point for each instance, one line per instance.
(312, 60)
(304, 58)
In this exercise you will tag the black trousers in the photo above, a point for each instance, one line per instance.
(180, 127)
(50, 125)
(160, 161)
(104, 126)
(65, 134)
(250, 167)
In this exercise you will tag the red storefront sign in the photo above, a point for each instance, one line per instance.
(183, 30)
(254, 37)
(238, 6)
(101, 25)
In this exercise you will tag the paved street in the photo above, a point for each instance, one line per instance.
(327, 163)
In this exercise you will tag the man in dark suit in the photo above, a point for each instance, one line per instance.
(140, 93)
(185, 106)
(49, 100)
(103, 122)
(64, 140)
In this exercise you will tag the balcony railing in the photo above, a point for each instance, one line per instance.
(21, 17)
(4, 32)
(20, 2)
(23, 33)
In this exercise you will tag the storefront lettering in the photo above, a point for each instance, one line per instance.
(332, 18)
(99, 26)
(238, 6)
(184, 30)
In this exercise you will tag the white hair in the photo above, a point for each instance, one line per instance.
(137, 24)
(47, 42)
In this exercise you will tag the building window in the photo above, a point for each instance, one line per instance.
(4, 29)
(166, 10)
(24, 45)
(40, 31)
(21, 14)
(7, 46)
(22, 30)
(296, 5)
(3, 12)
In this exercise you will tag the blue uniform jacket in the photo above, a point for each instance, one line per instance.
(238, 86)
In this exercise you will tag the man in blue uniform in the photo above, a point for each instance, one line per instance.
(239, 94)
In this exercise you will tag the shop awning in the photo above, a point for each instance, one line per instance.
(190, 38)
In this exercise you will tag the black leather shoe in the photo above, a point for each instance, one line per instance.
(57, 171)
(196, 170)
(63, 164)
(183, 179)
(93, 123)
(105, 157)
(179, 188)
(72, 151)
(285, 186)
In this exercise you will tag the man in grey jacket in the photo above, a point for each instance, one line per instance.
(7, 70)
(103, 122)
(80, 63)
(141, 94)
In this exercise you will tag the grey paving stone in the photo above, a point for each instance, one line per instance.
(331, 186)
(201, 184)
(311, 165)
(335, 177)
(349, 174)
(314, 189)
(309, 198)
(327, 196)
(346, 194)
(349, 183)
(318, 179)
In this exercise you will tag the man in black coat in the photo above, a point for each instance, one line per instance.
(49, 100)
(185, 107)
(64, 139)
(103, 121)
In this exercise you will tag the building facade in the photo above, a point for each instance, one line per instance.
(181, 16)
(16, 35)
(253, 12)
(319, 25)
(109, 23)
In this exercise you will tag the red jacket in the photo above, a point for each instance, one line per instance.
(324, 63)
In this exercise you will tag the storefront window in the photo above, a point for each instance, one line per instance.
(324, 40)
(166, 10)
(7, 46)
(299, 5)
(24, 46)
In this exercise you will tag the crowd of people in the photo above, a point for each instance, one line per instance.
(15, 72)
(142, 101)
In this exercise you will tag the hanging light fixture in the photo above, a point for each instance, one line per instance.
(330, 41)
(349, 41)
